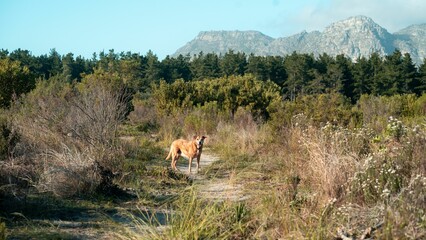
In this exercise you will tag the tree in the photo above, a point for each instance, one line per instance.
(233, 63)
(258, 67)
(211, 67)
(108, 62)
(229, 93)
(182, 68)
(276, 70)
(14, 80)
(298, 68)
(410, 78)
(4, 53)
(391, 75)
(205, 66)
(55, 62)
(421, 88)
(344, 76)
(68, 71)
(131, 69)
(25, 58)
(362, 74)
(175, 68)
(152, 71)
(376, 63)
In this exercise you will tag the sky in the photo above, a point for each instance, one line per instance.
(83, 27)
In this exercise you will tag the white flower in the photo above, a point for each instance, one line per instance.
(386, 192)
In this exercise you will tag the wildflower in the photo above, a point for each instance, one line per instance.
(385, 192)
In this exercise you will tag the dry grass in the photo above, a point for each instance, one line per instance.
(195, 218)
(68, 173)
(329, 161)
(305, 181)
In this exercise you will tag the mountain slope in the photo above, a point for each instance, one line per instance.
(354, 37)
(412, 40)
(221, 41)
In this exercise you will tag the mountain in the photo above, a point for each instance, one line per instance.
(222, 41)
(412, 40)
(356, 36)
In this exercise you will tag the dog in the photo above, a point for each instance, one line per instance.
(191, 149)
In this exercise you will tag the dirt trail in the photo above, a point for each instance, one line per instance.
(219, 188)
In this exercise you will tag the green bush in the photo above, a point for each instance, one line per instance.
(229, 93)
(377, 110)
(202, 120)
(318, 110)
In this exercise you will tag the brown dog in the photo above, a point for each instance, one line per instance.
(191, 149)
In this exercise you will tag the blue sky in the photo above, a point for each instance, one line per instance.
(86, 26)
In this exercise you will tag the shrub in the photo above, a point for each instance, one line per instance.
(230, 93)
(377, 110)
(318, 110)
(332, 155)
(202, 120)
(144, 116)
(71, 130)
(406, 213)
(240, 137)
(378, 177)
(395, 129)
(171, 127)
(389, 168)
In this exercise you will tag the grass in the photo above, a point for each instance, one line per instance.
(53, 218)
(197, 218)
(321, 182)
(146, 183)
(301, 182)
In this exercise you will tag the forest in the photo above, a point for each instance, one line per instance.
(295, 74)
(320, 147)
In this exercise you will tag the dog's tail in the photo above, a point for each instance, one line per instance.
(170, 154)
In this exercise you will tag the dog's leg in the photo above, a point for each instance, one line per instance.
(174, 160)
(172, 163)
(198, 163)
(177, 158)
(190, 164)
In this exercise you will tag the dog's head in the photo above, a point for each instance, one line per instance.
(199, 141)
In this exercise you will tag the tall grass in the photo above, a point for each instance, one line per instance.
(311, 181)
(196, 218)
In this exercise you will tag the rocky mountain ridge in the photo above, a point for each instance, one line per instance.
(354, 37)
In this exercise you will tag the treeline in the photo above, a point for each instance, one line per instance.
(296, 74)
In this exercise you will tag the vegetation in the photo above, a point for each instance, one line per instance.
(322, 147)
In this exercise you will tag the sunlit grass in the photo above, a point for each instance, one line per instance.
(197, 218)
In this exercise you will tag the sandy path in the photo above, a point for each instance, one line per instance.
(219, 188)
